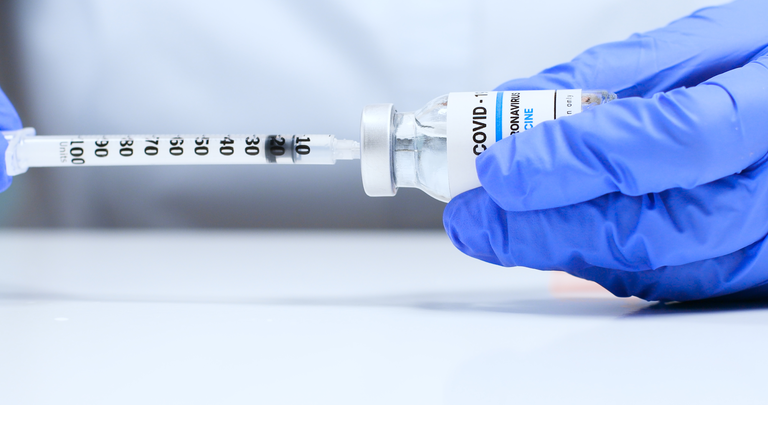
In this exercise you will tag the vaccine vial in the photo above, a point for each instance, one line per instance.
(434, 148)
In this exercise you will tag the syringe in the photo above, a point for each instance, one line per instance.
(26, 150)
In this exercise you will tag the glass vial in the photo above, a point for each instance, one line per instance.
(412, 149)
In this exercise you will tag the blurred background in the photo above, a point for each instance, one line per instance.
(273, 66)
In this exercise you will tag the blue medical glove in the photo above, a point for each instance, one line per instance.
(661, 194)
(9, 120)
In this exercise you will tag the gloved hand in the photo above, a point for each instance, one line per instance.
(9, 120)
(661, 194)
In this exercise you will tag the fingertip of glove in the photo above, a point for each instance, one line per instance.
(453, 215)
(5, 179)
(464, 219)
(9, 118)
(5, 182)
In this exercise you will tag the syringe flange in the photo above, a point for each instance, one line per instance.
(14, 163)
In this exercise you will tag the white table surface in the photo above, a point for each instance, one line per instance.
(244, 317)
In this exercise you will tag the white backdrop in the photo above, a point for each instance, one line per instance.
(172, 66)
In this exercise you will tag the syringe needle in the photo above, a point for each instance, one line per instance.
(346, 149)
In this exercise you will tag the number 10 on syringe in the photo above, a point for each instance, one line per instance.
(103, 150)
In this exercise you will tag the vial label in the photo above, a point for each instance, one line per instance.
(477, 120)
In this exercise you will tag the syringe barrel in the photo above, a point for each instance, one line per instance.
(105, 150)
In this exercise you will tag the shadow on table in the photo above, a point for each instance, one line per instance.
(617, 307)
(530, 302)
(702, 306)
(604, 307)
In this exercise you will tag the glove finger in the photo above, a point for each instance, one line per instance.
(616, 231)
(740, 275)
(684, 138)
(744, 271)
(5, 179)
(683, 54)
(9, 119)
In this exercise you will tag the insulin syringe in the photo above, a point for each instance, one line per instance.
(427, 149)
(26, 150)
